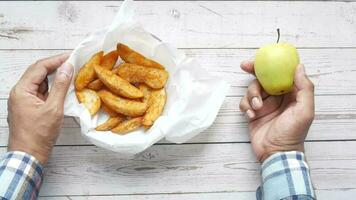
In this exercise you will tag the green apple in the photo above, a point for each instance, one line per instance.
(275, 65)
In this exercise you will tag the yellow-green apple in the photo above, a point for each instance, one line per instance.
(275, 65)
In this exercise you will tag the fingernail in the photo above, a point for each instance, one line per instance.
(256, 103)
(66, 69)
(250, 114)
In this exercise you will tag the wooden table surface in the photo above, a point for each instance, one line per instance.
(217, 164)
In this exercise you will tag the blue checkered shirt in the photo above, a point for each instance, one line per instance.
(20, 176)
(285, 176)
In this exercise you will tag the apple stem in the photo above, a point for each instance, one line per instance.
(279, 35)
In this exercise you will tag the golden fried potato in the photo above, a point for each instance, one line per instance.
(154, 78)
(131, 56)
(109, 111)
(146, 92)
(156, 104)
(90, 99)
(128, 126)
(109, 124)
(121, 105)
(86, 74)
(116, 84)
(96, 85)
(109, 60)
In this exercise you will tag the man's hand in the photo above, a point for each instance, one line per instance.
(278, 123)
(34, 114)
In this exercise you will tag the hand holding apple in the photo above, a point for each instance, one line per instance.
(278, 123)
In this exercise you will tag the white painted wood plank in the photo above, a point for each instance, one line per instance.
(212, 24)
(321, 194)
(335, 120)
(333, 71)
(185, 169)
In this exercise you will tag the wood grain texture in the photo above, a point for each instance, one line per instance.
(192, 168)
(331, 70)
(185, 24)
(321, 194)
(335, 117)
(219, 35)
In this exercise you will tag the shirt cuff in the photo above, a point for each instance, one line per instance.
(286, 174)
(20, 176)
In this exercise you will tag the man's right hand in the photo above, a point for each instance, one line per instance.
(278, 123)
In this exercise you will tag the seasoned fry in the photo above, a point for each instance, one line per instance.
(154, 78)
(156, 104)
(146, 92)
(128, 126)
(109, 111)
(146, 127)
(109, 124)
(90, 99)
(86, 74)
(96, 85)
(109, 60)
(130, 56)
(123, 106)
(116, 84)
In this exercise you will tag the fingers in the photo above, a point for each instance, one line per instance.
(270, 105)
(305, 90)
(60, 85)
(252, 101)
(248, 66)
(246, 108)
(254, 95)
(38, 72)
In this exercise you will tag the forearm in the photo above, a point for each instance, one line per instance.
(285, 175)
(20, 176)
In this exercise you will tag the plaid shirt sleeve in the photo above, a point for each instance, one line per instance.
(20, 176)
(286, 176)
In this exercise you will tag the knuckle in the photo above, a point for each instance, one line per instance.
(251, 92)
(310, 85)
(13, 93)
(59, 83)
(253, 89)
(38, 62)
(243, 104)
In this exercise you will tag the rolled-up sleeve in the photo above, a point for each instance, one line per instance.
(20, 176)
(285, 175)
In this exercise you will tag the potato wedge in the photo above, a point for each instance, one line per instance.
(146, 92)
(128, 126)
(154, 78)
(90, 99)
(156, 104)
(109, 124)
(109, 60)
(131, 56)
(117, 84)
(109, 111)
(86, 74)
(97, 84)
(121, 105)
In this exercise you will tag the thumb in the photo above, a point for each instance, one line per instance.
(305, 89)
(60, 84)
